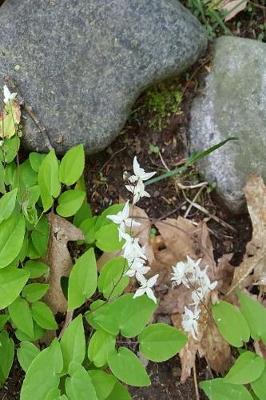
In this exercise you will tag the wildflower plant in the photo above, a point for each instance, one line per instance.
(89, 350)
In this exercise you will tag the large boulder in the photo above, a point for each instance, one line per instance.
(233, 103)
(82, 63)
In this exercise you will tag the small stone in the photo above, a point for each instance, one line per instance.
(233, 103)
(83, 63)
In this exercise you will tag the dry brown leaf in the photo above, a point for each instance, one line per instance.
(224, 273)
(178, 237)
(232, 7)
(255, 257)
(59, 259)
(214, 348)
(210, 345)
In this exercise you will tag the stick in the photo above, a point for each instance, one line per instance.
(13, 85)
(196, 382)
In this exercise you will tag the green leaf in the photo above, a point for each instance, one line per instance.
(26, 353)
(7, 204)
(48, 180)
(83, 213)
(100, 345)
(112, 281)
(82, 280)
(12, 233)
(73, 343)
(231, 323)
(259, 385)
(218, 389)
(40, 236)
(20, 314)
(107, 238)
(3, 173)
(103, 383)
(88, 229)
(6, 356)
(70, 202)
(255, 315)
(12, 281)
(247, 368)
(38, 334)
(79, 386)
(125, 314)
(126, 366)
(36, 269)
(159, 342)
(35, 160)
(43, 373)
(9, 149)
(26, 176)
(72, 165)
(42, 314)
(53, 394)
(34, 291)
(119, 393)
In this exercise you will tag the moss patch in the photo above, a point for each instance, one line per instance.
(162, 101)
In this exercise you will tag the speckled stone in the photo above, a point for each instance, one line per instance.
(233, 103)
(82, 63)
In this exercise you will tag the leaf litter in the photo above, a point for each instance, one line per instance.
(59, 259)
(175, 240)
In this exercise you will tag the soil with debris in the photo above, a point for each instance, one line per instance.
(160, 150)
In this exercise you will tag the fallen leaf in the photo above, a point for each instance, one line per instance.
(213, 347)
(59, 259)
(209, 344)
(232, 7)
(255, 256)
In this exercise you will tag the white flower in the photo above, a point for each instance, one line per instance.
(186, 272)
(123, 220)
(137, 268)
(146, 287)
(8, 96)
(190, 321)
(178, 274)
(139, 173)
(132, 249)
(205, 283)
(197, 296)
(138, 191)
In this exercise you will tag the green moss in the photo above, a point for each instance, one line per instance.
(162, 101)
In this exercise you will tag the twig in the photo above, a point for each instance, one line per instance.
(194, 199)
(196, 382)
(214, 217)
(13, 85)
(163, 162)
(112, 156)
(198, 185)
(257, 5)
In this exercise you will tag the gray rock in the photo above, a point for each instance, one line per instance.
(82, 63)
(233, 103)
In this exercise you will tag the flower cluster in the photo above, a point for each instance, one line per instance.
(191, 275)
(133, 252)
